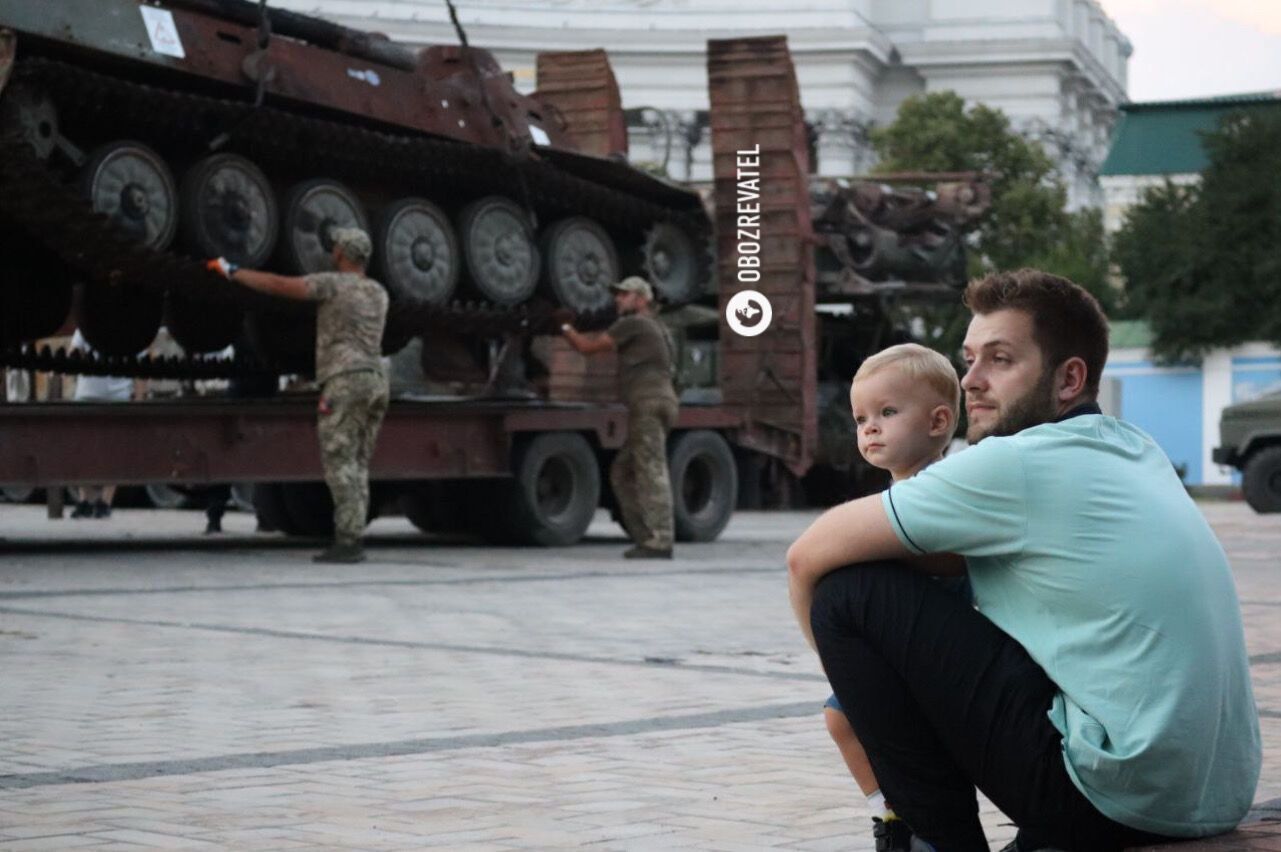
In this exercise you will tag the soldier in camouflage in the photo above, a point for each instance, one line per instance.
(350, 316)
(639, 475)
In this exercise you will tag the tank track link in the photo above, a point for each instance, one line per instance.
(273, 136)
(47, 359)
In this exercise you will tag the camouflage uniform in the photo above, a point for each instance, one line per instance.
(354, 390)
(639, 474)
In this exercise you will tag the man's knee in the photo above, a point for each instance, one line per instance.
(842, 596)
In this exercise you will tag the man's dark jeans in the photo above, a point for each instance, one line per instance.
(944, 702)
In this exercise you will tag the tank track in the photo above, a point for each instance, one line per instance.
(37, 199)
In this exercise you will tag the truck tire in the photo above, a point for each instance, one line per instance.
(269, 507)
(1262, 480)
(704, 484)
(439, 506)
(553, 497)
(310, 508)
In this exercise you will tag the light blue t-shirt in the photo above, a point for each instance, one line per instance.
(1084, 547)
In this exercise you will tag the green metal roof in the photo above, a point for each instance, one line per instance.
(1129, 334)
(1163, 137)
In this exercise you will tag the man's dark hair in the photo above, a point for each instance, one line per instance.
(1066, 320)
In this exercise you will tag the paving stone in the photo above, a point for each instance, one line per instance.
(169, 691)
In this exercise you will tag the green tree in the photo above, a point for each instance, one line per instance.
(1203, 263)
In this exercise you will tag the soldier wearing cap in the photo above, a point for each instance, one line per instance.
(350, 316)
(639, 474)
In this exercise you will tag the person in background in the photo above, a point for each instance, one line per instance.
(639, 475)
(94, 501)
(350, 370)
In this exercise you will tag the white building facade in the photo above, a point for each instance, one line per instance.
(1056, 67)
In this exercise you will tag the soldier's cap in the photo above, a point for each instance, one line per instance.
(634, 284)
(354, 243)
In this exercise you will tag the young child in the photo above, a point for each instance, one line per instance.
(905, 401)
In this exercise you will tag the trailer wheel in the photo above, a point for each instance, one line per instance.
(1262, 480)
(310, 508)
(439, 506)
(704, 484)
(554, 494)
(269, 507)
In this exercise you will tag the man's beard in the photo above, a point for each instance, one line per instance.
(1035, 407)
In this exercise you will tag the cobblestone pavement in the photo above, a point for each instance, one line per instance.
(160, 689)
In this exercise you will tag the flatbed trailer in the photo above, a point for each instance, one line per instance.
(447, 462)
(519, 471)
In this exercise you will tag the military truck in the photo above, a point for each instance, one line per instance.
(1250, 441)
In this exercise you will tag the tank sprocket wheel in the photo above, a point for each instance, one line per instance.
(313, 209)
(229, 210)
(673, 263)
(581, 263)
(28, 110)
(416, 252)
(130, 184)
(502, 259)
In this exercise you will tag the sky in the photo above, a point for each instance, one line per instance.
(1194, 48)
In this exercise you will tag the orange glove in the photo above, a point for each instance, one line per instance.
(222, 266)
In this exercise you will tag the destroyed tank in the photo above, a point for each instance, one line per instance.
(138, 138)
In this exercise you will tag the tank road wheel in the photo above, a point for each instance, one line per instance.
(31, 113)
(229, 210)
(1262, 480)
(704, 484)
(313, 209)
(581, 263)
(672, 263)
(416, 252)
(129, 183)
(502, 259)
(554, 495)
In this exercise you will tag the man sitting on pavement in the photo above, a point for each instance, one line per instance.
(1100, 693)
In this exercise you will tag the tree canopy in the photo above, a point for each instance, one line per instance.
(1203, 263)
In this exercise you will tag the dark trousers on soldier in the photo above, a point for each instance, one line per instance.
(944, 702)
(352, 406)
(639, 473)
